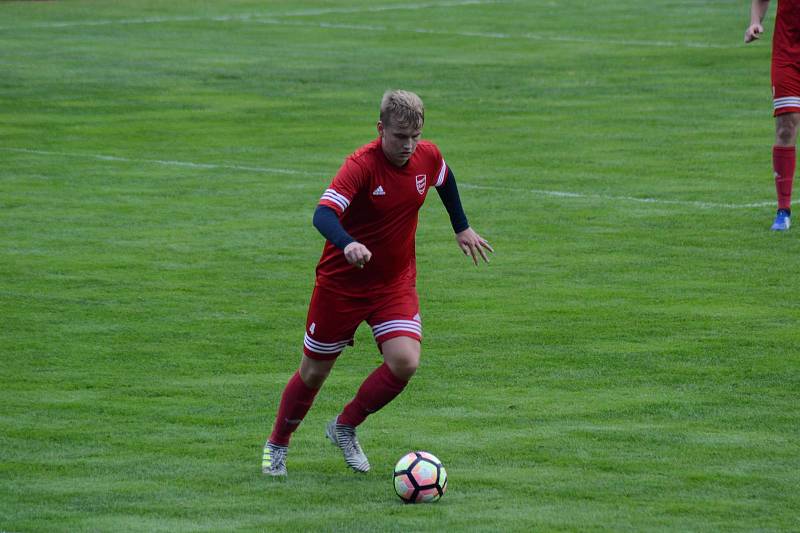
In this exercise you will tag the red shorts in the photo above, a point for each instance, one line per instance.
(333, 319)
(785, 89)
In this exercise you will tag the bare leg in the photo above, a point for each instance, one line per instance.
(314, 372)
(401, 355)
(786, 129)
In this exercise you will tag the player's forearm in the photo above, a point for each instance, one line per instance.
(327, 223)
(452, 202)
(758, 9)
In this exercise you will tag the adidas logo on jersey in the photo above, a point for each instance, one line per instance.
(379, 191)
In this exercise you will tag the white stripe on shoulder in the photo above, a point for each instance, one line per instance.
(442, 174)
(333, 196)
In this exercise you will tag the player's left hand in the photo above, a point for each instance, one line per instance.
(473, 244)
(753, 32)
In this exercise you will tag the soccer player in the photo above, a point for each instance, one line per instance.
(367, 272)
(785, 94)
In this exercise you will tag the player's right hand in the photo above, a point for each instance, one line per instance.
(753, 32)
(357, 254)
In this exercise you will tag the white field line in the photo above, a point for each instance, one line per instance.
(275, 19)
(101, 157)
(389, 7)
(246, 17)
(564, 194)
(494, 35)
(508, 190)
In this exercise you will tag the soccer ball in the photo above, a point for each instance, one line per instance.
(419, 477)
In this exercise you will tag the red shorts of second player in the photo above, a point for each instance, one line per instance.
(333, 319)
(785, 89)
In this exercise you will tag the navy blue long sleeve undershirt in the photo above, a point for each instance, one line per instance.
(327, 221)
(452, 202)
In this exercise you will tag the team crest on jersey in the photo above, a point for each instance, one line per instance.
(422, 179)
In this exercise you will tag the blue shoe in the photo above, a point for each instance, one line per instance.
(782, 221)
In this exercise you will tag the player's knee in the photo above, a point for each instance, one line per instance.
(786, 132)
(404, 365)
(314, 378)
(314, 373)
(402, 356)
(786, 136)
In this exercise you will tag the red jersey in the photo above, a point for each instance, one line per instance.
(786, 39)
(378, 205)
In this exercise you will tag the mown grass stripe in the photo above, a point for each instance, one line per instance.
(539, 192)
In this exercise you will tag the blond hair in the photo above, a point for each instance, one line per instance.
(403, 109)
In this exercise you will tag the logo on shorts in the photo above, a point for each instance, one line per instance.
(312, 327)
(422, 179)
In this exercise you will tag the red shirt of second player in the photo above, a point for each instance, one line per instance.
(786, 41)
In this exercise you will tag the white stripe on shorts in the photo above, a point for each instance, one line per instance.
(786, 101)
(411, 326)
(324, 347)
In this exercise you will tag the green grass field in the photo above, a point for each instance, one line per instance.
(629, 360)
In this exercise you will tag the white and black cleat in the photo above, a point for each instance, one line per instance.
(273, 463)
(345, 438)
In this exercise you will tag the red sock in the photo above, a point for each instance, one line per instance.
(380, 388)
(783, 162)
(295, 403)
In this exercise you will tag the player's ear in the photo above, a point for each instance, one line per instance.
(379, 125)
